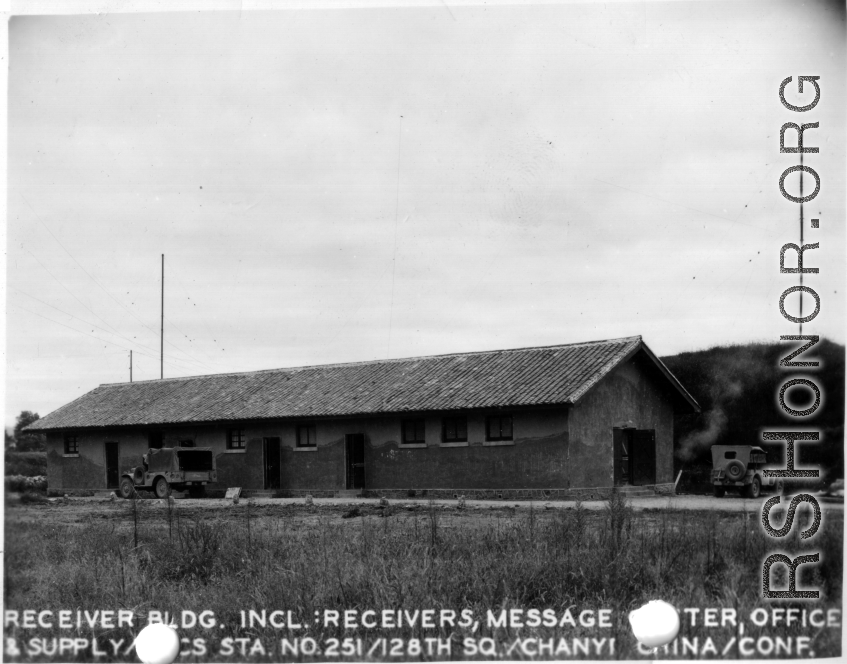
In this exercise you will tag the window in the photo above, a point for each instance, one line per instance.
(498, 427)
(235, 439)
(413, 431)
(729, 455)
(455, 429)
(306, 435)
(155, 440)
(71, 443)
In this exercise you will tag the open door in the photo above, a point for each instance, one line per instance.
(643, 455)
(355, 446)
(622, 445)
(113, 469)
(273, 465)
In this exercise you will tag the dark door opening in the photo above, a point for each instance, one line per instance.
(273, 464)
(355, 445)
(113, 467)
(635, 456)
(643, 455)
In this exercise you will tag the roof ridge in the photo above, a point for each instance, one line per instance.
(391, 360)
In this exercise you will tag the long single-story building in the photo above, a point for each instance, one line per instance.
(551, 421)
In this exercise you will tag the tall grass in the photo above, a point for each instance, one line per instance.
(428, 558)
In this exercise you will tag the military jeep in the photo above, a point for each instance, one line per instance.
(740, 467)
(178, 468)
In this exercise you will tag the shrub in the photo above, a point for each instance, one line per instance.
(29, 464)
(21, 483)
(31, 497)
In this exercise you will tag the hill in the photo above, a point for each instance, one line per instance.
(737, 388)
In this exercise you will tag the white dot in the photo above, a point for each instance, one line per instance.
(655, 624)
(157, 644)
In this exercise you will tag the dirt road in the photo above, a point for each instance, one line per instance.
(77, 509)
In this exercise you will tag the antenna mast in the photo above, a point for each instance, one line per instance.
(162, 326)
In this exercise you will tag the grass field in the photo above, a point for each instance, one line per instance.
(144, 555)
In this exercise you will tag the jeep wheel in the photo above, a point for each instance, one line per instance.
(161, 488)
(127, 488)
(779, 487)
(754, 489)
(720, 491)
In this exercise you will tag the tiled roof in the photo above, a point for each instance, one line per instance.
(507, 378)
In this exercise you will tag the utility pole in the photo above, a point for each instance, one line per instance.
(801, 240)
(162, 327)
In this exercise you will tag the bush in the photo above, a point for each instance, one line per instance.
(31, 497)
(30, 464)
(22, 484)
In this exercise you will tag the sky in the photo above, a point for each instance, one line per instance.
(356, 183)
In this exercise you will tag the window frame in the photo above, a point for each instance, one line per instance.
(312, 432)
(231, 434)
(499, 438)
(414, 422)
(66, 440)
(456, 438)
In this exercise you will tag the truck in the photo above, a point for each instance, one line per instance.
(739, 467)
(167, 468)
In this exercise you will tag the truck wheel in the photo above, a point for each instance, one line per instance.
(161, 488)
(754, 489)
(779, 488)
(127, 488)
(196, 491)
(720, 491)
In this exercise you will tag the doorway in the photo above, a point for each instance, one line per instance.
(273, 464)
(634, 456)
(643, 457)
(113, 466)
(355, 448)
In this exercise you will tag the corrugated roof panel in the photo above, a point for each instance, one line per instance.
(520, 377)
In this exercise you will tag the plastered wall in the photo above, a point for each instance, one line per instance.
(631, 396)
(536, 458)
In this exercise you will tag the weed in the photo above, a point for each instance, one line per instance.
(460, 559)
(33, 497)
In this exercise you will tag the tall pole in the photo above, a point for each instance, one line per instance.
(162, 327)
(801, 240)
(130, 366)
